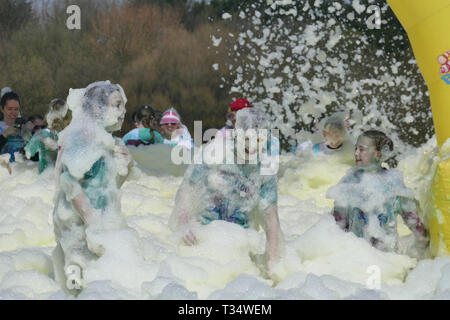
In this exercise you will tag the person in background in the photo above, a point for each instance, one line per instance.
(369, 198)
(235, 106)
(11, 140)
(33, 124)
(44, 142)
(334, 134)
(133, 118)
(156, 123)
(175, 133)
(143, 133)
(3, 91)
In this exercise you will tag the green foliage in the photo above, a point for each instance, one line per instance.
(144, 47)
(159, 50)
(14, 14)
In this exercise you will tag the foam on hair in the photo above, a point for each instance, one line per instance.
(380, 140)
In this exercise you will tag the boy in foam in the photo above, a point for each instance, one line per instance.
(235, 106)
(144, 133)
(335, 136)
(45, 141)
(369, 198)
(336, 140)
(226, 132)
(91, 167)
(237, 193)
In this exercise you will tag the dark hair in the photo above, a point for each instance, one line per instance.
(34, 117)
(157, 119)
(98, 95)
(380, 139)
(158, 115)
(9, 96)
(145, 114)
(56, 104)
(133, 116)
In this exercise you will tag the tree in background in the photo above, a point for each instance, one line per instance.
(14, 14)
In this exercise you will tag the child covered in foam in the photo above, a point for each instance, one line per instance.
(335, 137)
(335, 142)
(45, 142)
(91, 167)
(369, 198)
(239, 193)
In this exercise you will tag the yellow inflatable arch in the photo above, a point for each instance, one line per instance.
(427, 23)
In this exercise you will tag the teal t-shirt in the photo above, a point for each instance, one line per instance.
(232, 192)
(37, 144)
(93, 184)
(144, 136)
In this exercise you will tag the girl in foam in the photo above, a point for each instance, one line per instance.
(144, 133)
(239, 193)
(369, 198)
(45, 142)
(91, 167)
(175, 133)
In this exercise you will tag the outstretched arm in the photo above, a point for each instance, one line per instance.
(84, 209)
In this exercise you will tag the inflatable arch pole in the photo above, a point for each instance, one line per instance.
(427, 23)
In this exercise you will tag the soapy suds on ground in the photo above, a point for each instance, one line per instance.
(148, 261)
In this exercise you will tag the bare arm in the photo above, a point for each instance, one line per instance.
(82, 206)
(273, 233)
(410, 215)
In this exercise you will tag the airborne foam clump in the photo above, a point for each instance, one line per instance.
(328, 65)
(226, 16)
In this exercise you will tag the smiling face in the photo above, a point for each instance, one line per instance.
(333, 137)
(170, 128)
(11, 111)
(366, 153)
